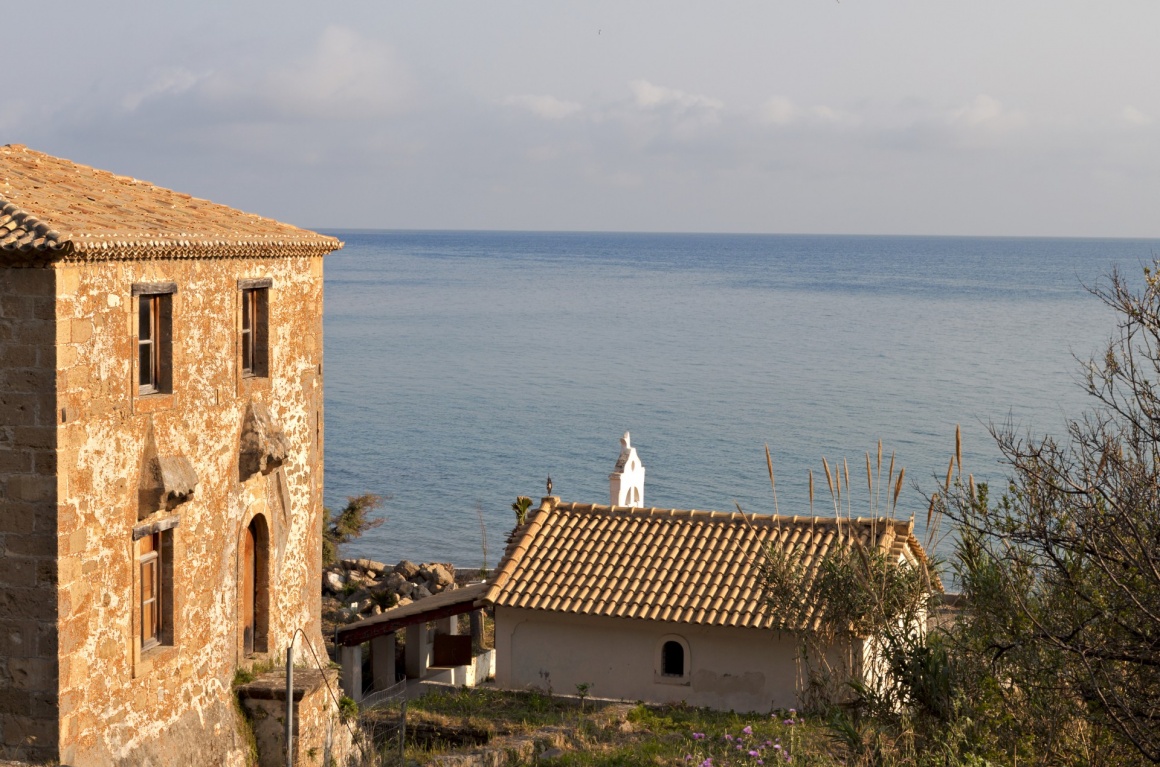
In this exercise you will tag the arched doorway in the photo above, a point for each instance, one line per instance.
(255, 612)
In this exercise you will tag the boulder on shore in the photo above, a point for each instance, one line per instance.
(363, 586)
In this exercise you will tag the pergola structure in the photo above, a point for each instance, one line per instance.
(441, 647)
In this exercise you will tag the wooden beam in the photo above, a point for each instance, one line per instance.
(356, 634)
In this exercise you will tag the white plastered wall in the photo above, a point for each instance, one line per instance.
(739, 669)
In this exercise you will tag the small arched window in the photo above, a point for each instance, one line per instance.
(672, 661)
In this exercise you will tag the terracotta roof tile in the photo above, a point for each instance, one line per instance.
(666, 564)
(53, 209)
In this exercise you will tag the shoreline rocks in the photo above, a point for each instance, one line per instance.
(366, 588)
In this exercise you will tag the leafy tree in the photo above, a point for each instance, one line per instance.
(1061, 576)
(348, 524)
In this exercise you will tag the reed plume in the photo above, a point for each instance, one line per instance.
(772, 484)
(959, 448)
(811, 471)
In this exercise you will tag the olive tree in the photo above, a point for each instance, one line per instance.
(1061, 574)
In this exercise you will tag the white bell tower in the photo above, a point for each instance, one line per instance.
(626, 482)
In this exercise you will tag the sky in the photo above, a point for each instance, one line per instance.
(987, 117)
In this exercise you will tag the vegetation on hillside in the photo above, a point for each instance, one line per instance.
(1054, 655)
(351, 522)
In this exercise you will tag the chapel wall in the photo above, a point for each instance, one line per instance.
(730, 668)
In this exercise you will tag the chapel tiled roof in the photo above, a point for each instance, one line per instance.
(53, 209)
(697, 567)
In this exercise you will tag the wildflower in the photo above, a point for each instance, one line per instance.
(788, 722)
(769, 743)
(754, 753)
(728, 736)
(688, 757)
(707, 763)
(698, 736)
(748, 730)
(777, 747)
(760, 762)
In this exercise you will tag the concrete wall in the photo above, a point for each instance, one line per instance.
(736, 669)
(28, 499)
(119, 704)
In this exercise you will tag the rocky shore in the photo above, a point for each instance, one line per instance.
(363, 588)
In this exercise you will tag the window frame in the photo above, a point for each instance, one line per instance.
(150, 602)
(154, 547)
(254, 328)
(659, 672)
(154, 326)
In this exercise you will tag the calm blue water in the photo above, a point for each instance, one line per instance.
(462, 368)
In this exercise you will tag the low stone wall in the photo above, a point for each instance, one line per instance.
(321, 738)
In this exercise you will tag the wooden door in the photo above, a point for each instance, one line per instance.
(249, 583)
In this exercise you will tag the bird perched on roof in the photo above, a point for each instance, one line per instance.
(549, 484)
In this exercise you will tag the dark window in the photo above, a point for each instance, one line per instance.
(154, 343)
(255, 323)
(672, 659)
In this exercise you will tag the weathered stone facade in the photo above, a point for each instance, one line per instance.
(99, 474)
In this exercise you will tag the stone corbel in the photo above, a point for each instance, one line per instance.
(168, 481)
(264, 445)
(177, 479)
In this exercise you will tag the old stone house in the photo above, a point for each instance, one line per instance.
(160, 462)
(662, 605)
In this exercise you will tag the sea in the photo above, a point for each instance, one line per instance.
(464, 368)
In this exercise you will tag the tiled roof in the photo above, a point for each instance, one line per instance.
(698, 567)
(53, 209)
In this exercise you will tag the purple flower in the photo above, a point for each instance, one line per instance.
(748, 730)
(754, 753)
(698, 736)
(760, 762)
(728, 736)
(707, 763)
(788, 722)
(769, 742)
(777, 747)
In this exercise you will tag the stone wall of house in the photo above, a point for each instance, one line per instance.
(321, 738)
(120, 704)
(28, 493)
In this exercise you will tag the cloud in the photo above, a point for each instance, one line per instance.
(1135, 117)
(165, 82)
(547, 107)
(344, 75)
(647, 96)
(988, 113)
(780, 111)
